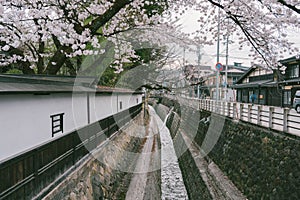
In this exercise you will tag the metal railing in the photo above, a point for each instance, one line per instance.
(277, 118)
(26, 175)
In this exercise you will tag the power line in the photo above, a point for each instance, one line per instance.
(222, 55)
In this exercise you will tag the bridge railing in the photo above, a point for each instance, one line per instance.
(26, 175)
(276, 118)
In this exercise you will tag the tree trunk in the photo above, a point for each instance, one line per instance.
(25, 67)
(70, 67)
(59, 58)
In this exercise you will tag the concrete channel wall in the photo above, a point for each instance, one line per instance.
(261, 163)
(100, 176)
(194, 184)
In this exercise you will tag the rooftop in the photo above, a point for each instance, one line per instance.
(290, 60)
(41, 84)
(44, 84)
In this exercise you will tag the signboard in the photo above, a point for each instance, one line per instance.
(219, 66)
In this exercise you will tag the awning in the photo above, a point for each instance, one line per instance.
(270, 84)
(262, 83)
(291, 81)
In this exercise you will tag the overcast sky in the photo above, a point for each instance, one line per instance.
(189, 24)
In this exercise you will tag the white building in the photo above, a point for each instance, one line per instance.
(38, 109)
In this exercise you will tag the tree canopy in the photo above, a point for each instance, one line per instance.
(262, 25)
(42, 36)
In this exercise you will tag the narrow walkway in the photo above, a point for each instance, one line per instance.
(219, 186)
(172, 185)
(137, 185)
(138, 188)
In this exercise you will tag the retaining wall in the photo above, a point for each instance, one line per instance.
(95, 180)
(262, 163)
(194, 184)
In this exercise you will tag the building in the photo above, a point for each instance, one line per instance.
(195, 76)
(261, 81)
(209, 87)
(274, 87)
(39, 109)
(291, 82)
(238, 66)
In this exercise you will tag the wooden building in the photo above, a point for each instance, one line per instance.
(291, 82)
(261, 81)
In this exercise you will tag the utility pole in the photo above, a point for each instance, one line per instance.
(199, 59)
(183, 56)
(226, 70)
(218, 55)
(183, 70)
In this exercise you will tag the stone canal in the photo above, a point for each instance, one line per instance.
(175, 152)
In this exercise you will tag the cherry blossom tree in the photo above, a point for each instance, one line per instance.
(262, 25)
(44, 35)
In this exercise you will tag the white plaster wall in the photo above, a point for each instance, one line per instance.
(129, 100)
(125, 99)
(25, 119)
(102, 106)
(137, 96)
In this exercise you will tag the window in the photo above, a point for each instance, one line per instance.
(245, 98)
(57, 123)
(137, 100)
(260, 78)
(239, 95)
(234, 79)
(292, 71)
(287, 97)
(121, 105)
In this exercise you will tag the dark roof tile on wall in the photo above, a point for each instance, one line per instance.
(41, 84)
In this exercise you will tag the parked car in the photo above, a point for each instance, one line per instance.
(296, 102)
